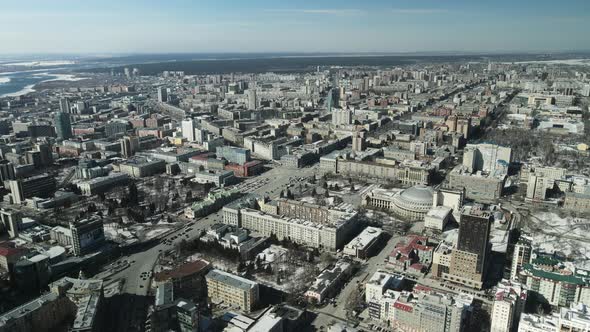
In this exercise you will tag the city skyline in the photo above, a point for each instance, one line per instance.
(269, 26)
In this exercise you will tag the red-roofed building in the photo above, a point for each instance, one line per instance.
(188, 279)
(9, 256)
(250, 168)
(403, 306)
(422, 289)
(412, 255)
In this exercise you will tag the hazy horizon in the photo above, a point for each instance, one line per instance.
(261, 26)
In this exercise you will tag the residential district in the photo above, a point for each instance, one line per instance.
(427, 197)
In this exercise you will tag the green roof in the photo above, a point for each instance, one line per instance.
(546, 260)
(570, 279)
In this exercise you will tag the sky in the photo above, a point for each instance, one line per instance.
(202, 26)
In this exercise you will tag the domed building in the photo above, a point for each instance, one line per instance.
(413, 203)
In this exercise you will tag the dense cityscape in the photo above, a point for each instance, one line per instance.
(295, 192)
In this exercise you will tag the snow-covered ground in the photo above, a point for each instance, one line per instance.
(61, 77)
(553, 224)
(578, 62)
(134, 232)
(568, 236)
(286, 284)
(40, 63)
(307, 199)
(156, 232)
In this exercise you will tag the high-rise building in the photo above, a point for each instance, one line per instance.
(358, 142)
(232, 154)
(523, 250)
(508, 305)
(486, 157)
(41, 130)
(162, 95)
(12, 221)
(469, 258)
(45, 154)
(64, 105)
(252, 102)
(188, 129)
(7, 171)
(115, 127)
(341, 117)
(87, 235)
(129, 145)
(42, 185)
(63, 126)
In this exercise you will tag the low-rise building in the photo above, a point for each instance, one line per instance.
(9, 256)
(538, 323)
(88, 298)
(188, 279)
(438, 217)
(217, 177)
(379, 293)
(574, 318)
(214, 201)
(411, 255)
(577, 201)
(407, 172)
(326, 283)
(102, 184)
(480, 186)
(140, 167)
(318, 235)
(238, 292)
(416, 202)
(42, 314)
(433, 312)
(364, 245)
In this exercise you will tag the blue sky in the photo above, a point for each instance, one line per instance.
(130, 26)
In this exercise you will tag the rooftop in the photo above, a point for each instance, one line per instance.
(232, 280)
(27, 308)
(182, 271)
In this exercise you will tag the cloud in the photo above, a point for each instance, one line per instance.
(419, 11)
(335, 12)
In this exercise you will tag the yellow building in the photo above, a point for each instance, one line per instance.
(232, 290)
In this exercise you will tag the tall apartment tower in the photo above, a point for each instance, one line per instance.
(7, 171)
(63, 126)
(129, 145)
(252, 102)
(359, 143)
(87, 235)
(523, 250)
(188, 129)
(509, 302)
(468, 260)
(162, 95)
(64, 105)
(12, 221)
(341, 117)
